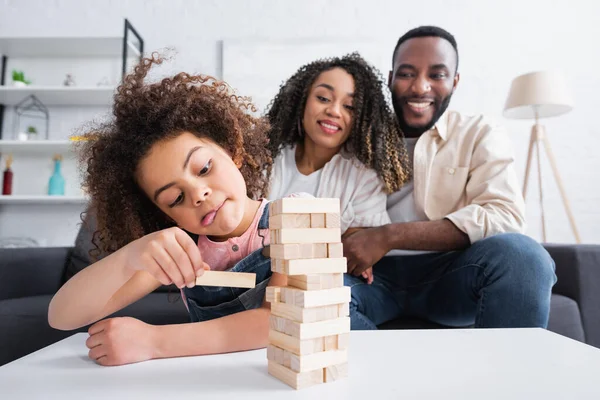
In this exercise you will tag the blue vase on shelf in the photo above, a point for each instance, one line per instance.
(56, 186)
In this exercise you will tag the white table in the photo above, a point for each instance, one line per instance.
(427, 364)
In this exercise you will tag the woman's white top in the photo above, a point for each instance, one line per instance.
(362, 199)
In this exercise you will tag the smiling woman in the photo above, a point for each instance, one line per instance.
(333, 135)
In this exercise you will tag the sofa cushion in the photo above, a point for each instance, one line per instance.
(565, 319)
(25, 328)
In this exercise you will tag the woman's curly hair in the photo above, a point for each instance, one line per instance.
(375, 137)
(147, 113)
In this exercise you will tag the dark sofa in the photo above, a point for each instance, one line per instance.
(30, 276)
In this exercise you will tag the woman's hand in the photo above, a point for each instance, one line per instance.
(118, 341)
(170, 256)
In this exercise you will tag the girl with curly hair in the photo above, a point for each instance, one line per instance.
(333, 135)
(180, 157)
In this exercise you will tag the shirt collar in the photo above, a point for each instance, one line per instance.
(441, 126)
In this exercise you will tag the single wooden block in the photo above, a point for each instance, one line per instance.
(273, 294)
(306, 235)
(293, 251)
(294, 344)
(310, 330)
(299, 314)
(306, 346)
(299, 205)
(332, 220)
(334, 372)
(318, 221)
(315, 298)
(343, 341)
(275, 353)
(297, 380)
(336, 342)
(344, 309)
(227, 279)
(310, 278)
(282, 221)
(317, 281)
(309, 266)
(316, 360)
(335, 250)
(330, 343)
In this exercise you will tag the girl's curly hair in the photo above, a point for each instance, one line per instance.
(147, 113)
(375, 138)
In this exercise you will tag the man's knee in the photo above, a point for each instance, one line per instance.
(523, 259)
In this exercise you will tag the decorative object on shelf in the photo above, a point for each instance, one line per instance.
(69, 81)
(533, 96)
(32, 133)
(103, 82)
(30, 108)
(56, 185)
(18, 78)
(7, 180)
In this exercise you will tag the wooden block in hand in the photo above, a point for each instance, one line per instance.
(302, 347)
(306, 235)
(273, 294)
(308, 266)
(300, 314)
(227, 279)
(297, 380)
(316, 281)
(310, 330)
(282, 221)
(315, 298)
(300, 205)
(293, 251)
(335, 250)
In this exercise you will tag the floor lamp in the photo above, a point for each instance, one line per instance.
(533, 96)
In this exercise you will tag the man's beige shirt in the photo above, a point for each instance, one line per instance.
(464, 171)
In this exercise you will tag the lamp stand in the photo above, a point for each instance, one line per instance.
(538, 135)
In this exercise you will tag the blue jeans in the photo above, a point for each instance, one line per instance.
(501, 281)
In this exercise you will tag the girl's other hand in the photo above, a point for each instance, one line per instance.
(118, 341)
(170, 256)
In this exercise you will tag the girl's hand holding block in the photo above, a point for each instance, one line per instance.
(169, 255)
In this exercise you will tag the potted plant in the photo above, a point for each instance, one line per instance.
(19, 78)
(32, 133)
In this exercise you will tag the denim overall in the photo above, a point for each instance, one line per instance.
(210, 302)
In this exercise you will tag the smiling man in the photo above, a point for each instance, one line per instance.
(454, 253)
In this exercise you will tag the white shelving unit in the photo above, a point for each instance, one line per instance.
(52, 220)
(67, 47)
(41, 199)
(58, 95)
(44, 147)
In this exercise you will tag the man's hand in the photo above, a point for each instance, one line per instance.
(118, 341)
(368, 275)
(364, 248)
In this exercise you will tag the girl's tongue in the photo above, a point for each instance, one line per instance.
(209, 218)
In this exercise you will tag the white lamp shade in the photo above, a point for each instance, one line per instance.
(544, 92)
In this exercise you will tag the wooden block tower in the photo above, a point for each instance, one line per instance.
(309, 322)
